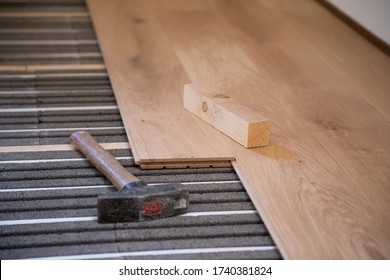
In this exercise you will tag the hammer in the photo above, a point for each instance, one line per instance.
(135, 200)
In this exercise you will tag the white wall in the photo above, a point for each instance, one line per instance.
(374, 15)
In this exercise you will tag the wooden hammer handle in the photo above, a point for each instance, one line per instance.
(102, 160)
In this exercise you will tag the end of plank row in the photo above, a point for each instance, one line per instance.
(243, 125)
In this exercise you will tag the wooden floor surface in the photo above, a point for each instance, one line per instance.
(148, 79)
(323, 185)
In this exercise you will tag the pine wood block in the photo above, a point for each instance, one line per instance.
(226, 114)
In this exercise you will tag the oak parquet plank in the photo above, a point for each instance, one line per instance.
(345, 154)
(310, 31)
(322, 180)
(148, 79)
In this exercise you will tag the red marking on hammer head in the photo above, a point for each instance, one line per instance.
(143, 203)
(152, 207)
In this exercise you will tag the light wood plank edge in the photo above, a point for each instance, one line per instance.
(62, 147)
(55, 67)
(186, 164)
(251, 190)
(43, 14)
(240, 123)
(174, 163)
(184, 160)
(131, 142)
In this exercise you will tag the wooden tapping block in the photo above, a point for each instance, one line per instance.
(240, 123)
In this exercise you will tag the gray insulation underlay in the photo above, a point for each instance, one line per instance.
(47, 189)
(47, 40)
(48, 199)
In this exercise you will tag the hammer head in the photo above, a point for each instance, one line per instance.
(143, 203)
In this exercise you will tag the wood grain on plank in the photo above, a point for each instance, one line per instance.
(243, 125)
(148, 79)
(328, 193)
(322, 185)
(339, 180)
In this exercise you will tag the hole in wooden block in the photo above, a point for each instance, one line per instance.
(204, 106)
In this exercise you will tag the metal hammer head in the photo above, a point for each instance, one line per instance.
(143, 203)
